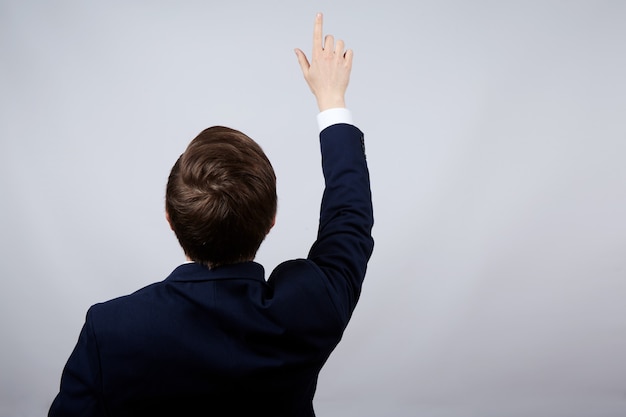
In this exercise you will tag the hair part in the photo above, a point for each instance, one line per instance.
(221, 197)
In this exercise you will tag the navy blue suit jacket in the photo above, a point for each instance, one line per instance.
(226, 341)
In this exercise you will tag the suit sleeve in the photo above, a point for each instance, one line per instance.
(344, 242)
(80, 393)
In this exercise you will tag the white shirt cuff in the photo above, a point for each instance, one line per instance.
(334, 116)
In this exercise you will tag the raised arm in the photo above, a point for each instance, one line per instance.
(344, 243)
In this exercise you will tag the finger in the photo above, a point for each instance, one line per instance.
(348, 56)
(329, 43)
(317, 33)
(302, 60)
(339, 45)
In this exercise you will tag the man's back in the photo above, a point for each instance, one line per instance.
(218, 340)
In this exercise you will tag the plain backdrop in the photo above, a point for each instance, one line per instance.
(496, 139)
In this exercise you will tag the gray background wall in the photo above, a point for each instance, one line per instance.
(496, 141)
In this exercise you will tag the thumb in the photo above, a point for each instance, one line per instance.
(303, 61)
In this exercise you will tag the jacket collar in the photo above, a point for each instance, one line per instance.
(196, 272)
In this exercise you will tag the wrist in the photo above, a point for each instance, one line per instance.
(325, 103)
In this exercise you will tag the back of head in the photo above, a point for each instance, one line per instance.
(221, 197)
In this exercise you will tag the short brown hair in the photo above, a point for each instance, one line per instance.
(221, 197)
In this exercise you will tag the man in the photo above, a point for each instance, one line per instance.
(215, 338)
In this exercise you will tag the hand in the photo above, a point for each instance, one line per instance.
(328, 73)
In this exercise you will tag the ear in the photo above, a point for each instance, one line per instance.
(272, 225)
(169, 221)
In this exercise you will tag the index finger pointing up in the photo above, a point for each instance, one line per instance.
(317, 33)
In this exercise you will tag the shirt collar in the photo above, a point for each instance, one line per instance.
(196, 272)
